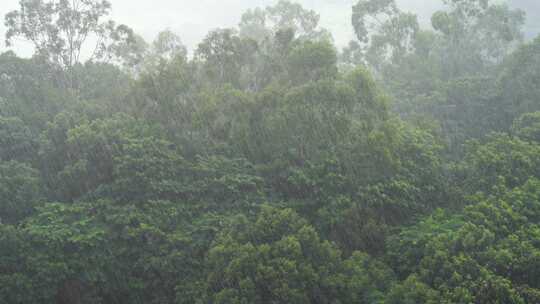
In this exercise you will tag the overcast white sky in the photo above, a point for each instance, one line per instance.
(192, 19)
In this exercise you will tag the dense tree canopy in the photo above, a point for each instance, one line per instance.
(269, 166)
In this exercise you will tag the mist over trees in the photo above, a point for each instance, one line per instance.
(269, 166)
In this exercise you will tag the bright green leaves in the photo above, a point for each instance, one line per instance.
(279, 258)
(367, 280)
(225, 183)
(501, 158)
(479, 256)
(412, 291)
(93, 245)
(527, 127)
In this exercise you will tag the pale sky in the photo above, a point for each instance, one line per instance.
(192, 19)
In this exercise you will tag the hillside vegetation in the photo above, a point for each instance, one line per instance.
(269, 166)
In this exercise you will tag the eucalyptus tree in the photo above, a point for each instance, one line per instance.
(260, 24)
(384, 32)
(64, 32)
(476, 34)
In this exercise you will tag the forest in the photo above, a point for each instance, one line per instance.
(269, 165)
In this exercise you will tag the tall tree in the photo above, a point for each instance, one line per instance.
(260, 24)
(60, 29)
(384, 32)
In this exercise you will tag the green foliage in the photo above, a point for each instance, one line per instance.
(224, 53)
(452, 72)
(59, 30)
(385, 33)
(16, 140)
(105, 250)
(312, 61)
(527, 127)
(500, 158)
(279, 258)
(412, 291)
(520, 92)
(28, 91)
(20, 191)
(261, 24)
(269, 167)
(479, 255)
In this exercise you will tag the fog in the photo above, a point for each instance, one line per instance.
(193, 19)
(251, 158)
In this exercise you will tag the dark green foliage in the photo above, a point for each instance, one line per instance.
(29, 91)
(107, 253)
(519, 82)
(312, 61)
(16, 140)
(270, 167)
(20, 191)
